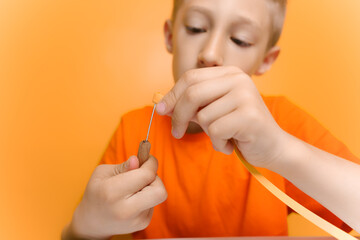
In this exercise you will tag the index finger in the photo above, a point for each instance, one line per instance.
(150, 196)
(130, 182)
(191, 77)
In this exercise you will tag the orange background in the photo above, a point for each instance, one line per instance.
(69, 69)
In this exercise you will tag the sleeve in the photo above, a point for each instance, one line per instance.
(303, 126)
(115, 151)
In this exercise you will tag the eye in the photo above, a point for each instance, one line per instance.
(240, 43)
(195, 30)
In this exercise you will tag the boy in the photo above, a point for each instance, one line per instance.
(216, 45)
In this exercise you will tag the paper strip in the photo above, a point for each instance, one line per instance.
(312, 217)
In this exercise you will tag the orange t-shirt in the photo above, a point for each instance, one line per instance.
(211, 194)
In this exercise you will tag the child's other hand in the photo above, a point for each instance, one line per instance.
(118, 199)
(225, 102)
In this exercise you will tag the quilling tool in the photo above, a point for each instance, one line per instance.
(144, 147)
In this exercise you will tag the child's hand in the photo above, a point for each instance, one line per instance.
(226, 104)
(117, 200)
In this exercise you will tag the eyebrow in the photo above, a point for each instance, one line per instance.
(199, 9)
(248, 21)
(240, 18)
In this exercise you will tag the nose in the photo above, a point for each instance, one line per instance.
(212, 53)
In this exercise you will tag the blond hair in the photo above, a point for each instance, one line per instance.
(278, 8)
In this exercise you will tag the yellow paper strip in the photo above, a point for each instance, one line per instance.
(157, 97)
(312, 217)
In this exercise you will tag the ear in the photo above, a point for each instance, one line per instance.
(168, 35)
(268, 61)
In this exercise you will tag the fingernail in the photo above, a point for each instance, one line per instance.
(175, 133)
(160, 107)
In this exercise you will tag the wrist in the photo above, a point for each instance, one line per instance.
(290, 150)
(68, 234)
(76, 230)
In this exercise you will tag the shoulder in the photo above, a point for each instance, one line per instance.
(304, 126)
(288, 115)
(294, 120)
(280, 105)
(282, 108)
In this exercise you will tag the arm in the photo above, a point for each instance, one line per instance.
(225, 103)
(332, 181)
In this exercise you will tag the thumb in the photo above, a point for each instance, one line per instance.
(130, 164)
(167, 103)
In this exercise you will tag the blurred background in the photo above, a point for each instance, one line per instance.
(69, 69)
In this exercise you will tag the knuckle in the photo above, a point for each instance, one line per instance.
(247, 96)
(190, 77)
(192, 94)
(163, 194)
(244, 96)
(160, 193)
(241, 78)
(233, 69)
(252, 114)
(214, 131)
(153, 161)
(143, 223)
(202, 118)
(148, 175)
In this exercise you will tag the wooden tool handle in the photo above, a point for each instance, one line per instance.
(144, 151)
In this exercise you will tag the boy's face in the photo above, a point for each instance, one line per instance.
(207, 33)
